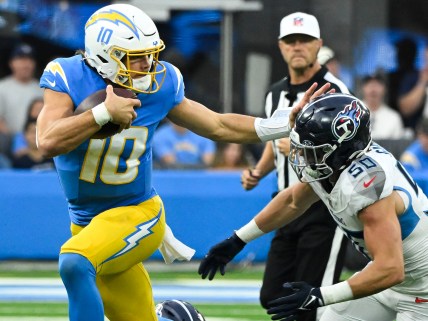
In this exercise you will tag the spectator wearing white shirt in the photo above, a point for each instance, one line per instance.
(18, 89)
(386, 123)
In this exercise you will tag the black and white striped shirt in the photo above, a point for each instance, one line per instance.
(282, 95)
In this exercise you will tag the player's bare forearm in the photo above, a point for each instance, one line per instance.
(63, 135)
(58, 131)
(237, 128)
(234, 128)
(374, 278)
(289, 204)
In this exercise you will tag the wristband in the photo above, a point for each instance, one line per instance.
(277, 126)
(101, 114)
(249, 232)
(237, 240)
(337, 293)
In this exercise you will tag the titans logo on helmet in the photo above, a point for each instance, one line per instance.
(347, 121)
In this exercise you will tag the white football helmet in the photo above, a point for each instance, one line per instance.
(117, 34)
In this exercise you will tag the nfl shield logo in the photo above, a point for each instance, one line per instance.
(298, 22)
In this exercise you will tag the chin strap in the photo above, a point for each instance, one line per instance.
(356, 154)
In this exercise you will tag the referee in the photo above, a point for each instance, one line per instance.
(312, 248)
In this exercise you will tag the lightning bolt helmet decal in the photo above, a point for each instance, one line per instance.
(118, 34)
(115, 17)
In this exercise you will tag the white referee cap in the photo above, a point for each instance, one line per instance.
(299, 23)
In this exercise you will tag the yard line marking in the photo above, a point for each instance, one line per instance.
(48, 289)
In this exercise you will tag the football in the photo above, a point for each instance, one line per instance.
(97, 98)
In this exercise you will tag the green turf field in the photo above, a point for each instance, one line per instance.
(58, 311)
(47, 311)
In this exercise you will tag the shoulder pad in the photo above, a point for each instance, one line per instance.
(364, 182)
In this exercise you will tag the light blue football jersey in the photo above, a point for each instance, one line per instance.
(104, 173)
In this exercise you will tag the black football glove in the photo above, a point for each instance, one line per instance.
(219, 255)
(303, 298)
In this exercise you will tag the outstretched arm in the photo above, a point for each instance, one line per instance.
(239, 128)
(289, 204)
(285, 207)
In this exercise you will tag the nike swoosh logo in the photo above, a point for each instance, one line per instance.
(52, 83)
(420, 300)
(308, 303)
(367, 184)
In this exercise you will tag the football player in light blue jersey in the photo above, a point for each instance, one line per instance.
(373, 200)
(117, 218)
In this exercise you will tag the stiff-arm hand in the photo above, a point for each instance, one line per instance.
(310, 95)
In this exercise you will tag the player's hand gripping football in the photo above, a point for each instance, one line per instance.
(301, 297)
(121, 109)
(219, 255)
(310, 95)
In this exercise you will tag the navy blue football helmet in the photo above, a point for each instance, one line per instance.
(177, 310)
(329, 133)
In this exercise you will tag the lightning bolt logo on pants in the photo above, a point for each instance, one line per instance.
(143, 230)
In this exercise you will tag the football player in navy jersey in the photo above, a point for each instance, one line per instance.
(374, 201)
(117, 218)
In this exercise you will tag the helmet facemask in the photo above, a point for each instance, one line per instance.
(140, 81)
(309, 162)
(330, 132)
(314, 163)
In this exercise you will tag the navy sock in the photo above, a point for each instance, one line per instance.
(84, 299)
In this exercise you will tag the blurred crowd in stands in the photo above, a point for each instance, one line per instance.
(398, 103)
